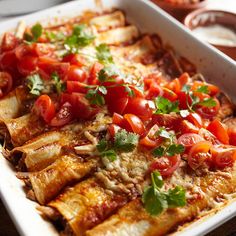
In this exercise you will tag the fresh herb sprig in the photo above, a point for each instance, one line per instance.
(58, 84)
(165, 106)
(123, 142)
(35, 33)
(35, 84)
(195, 101)
(78, 39)
(156, 201)
(103, 54)
(169, 148)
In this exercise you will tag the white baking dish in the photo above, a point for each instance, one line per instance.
(216, 67)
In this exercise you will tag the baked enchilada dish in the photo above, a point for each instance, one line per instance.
(111, 131)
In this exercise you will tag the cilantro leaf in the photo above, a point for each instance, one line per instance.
(207, 102)
(157, 179)
(35, 32)
(103, 54)
(165, 106)
(35, 84)
(53, 37)
(176, 197)
(107, 73)
(159, 151)
(102, 145)
(59, 85)
(125, 141)
(174, 149)
(110, 155)
(154, 201)
(94, 97)
(202, 89)
(79, 38)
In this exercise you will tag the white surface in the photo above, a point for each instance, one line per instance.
(214, 65)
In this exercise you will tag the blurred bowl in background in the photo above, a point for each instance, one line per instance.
(180, 8)
(216, 27)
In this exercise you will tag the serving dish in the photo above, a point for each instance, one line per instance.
(206, 17)
(203, 57)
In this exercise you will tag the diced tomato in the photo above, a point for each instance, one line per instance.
(9, 42)
(8, 60)
(117, 105)
(24, 50)
(166, 165)
(76, 86)
(5, 83)
(188, 127)
(195, 119)
(209, 112)
(74, 59)
(49, 66)
(135, 123)
(169, 94)
(171, 121)
(45, 108)
(213, 90)
(184, 79)
(174, 85)
(113, 129)
(76, 74)
(154, 91)
(208, 136)
(139, 107)
(189, 139)
(42, 49)
(63, 116)
(199, 154)
(224, 156)
(80, 105)
(232, 136)
(151, 140)
(137, 92)
(93, 75)
(218, 129)
(184, 100)
(117, 119)
(27, 65)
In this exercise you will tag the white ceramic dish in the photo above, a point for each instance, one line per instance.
(216, 67)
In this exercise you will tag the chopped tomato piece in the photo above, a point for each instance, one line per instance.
(184, 100)
(189, 139)
(50, 66)
(117, 105)
(208, 136)
(113, 129)
(76, 74)
(139, 107)
(63, 116)
(171, 121)
(224, 156)
(76, 86)
(45, 108)
(188, 127)
(195, 119)
(199, 154)
(9, 42)
(213, 90)
(166, 165)
(232, 136)
(169, 94)
(184, 79)
(93, 76)
(174, 85)
(218, 129)
(80, 105)
(27, 65)
(8, 60)
(154, 91)
(74, 59)
(151, 141)
(135, 123)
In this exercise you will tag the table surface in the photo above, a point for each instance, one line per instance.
(7, 227)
